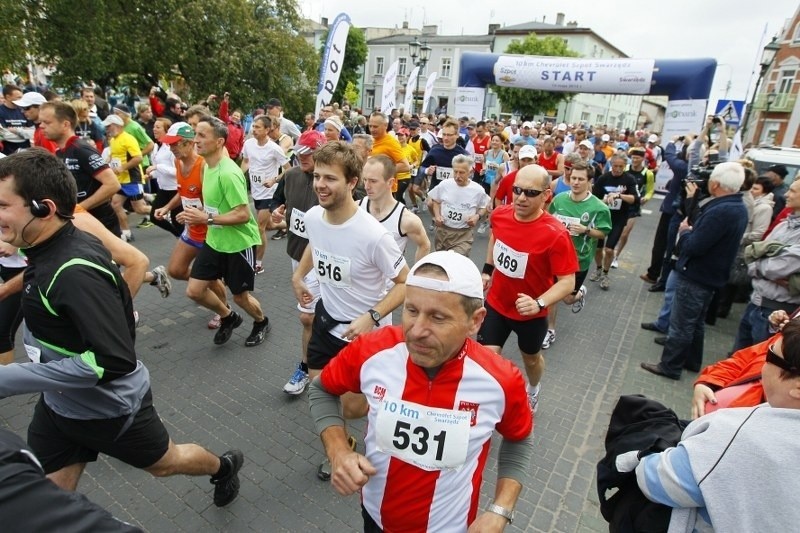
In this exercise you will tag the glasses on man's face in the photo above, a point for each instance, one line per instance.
(530, 193)
(780, 362)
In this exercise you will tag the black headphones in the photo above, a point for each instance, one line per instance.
(39, 209)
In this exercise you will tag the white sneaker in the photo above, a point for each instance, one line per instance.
(615, 263)
(533, 400)
(483, 227)
(549, 339)
(297, 383)
(581, 301)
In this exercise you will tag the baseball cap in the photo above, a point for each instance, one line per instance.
(122, 108)
(653, 138)
(780, 170)
(308, 142)
(562, 127)
(179, 131)
(528, 152)
(605, 138)
(587, 143)
(29, 99)
(404, 131)
(463, 277)
(464, 119)
(527, 124)
(513, 122)
(413, 125)
(113, 119)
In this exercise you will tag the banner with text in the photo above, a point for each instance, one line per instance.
(410, 86)
(428, 91)
(608, 76)
(389, 96)
(332, 60)
(683, 117)
(469, 102)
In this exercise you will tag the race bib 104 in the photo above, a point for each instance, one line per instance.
(427, 437)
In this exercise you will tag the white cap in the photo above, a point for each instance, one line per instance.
(562, 127)
(587, 143)
(113, 119)
(653, 138)
(29, 99)
(528, 152)
(527, 125)
(513, 122)
(463, 277)
(605, 138)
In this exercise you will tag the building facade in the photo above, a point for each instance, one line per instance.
(776, 108)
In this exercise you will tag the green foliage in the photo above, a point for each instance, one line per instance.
(250, 48)
(529, 102)
(351, 93)
(355, 54)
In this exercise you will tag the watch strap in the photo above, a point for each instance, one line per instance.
(508, 514)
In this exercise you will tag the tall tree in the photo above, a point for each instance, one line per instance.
(355, 54)
(528, 102)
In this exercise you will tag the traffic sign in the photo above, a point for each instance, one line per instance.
(731, 111)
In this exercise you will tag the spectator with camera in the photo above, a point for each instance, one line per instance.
(707, 248)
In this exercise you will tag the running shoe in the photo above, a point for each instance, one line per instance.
(145, 223)
(297, 383)
(615, 263)
(280, 234)
(533, 400)
(577, 306)
(259, 269)
(549, 339)
(483, 227)
(162, 281)
(596, 275)
(226, 327)
(259, 333)
(226, 487)
(605, 283)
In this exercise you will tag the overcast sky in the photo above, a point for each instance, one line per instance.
(734, 36)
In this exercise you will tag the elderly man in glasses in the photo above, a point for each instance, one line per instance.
(735, 448)
(528, 249)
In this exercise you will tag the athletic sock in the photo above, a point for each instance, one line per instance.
(304, 367)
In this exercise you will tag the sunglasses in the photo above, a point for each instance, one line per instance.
(530, 193)
(780, 362)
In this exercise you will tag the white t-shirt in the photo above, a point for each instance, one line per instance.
(459, 203)
(352, 261)
(264, 162)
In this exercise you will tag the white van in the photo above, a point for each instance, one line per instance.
(765, 156)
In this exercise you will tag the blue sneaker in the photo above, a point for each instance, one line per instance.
(297, 383)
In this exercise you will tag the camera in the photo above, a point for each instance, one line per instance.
(716, 120)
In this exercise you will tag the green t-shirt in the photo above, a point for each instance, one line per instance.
(591, 212)
(138, 132)
(224, 188)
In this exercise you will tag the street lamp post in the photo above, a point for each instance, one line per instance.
(770, 100)
(420, 54)
(767, 56)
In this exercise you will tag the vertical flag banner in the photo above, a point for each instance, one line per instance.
(428, 91)
(332, 60)
(389, 96)
(410, 86)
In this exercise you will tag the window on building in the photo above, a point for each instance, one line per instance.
(379, 66)
(796, 38)
(402, 63)
(446, 69)
(370, 99)
(770, 131)
(787, 79)
(585, 117)
(600, 119)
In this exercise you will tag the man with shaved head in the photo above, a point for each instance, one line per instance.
(528, 249)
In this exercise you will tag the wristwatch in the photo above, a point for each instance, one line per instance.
(540, 303)
(376, 317)
(502, 511)
(210, 220)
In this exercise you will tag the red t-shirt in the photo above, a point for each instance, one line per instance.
(527, 258)
(40, 140)
(481, 147)
(503, 192)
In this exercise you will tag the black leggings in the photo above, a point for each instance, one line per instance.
(10, 311)
(162, 198)
(402, 185)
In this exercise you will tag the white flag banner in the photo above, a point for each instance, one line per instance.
(332, 60)
(428, 91)
(410, 86)
(389, 96)
(736, 149)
